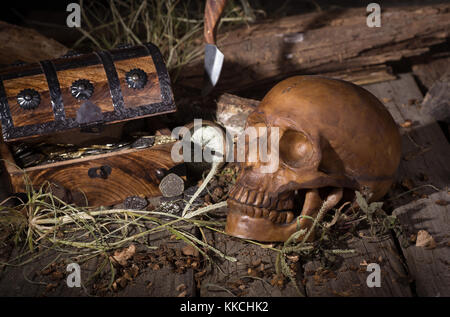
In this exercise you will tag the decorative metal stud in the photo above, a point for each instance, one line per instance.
(136, 78)
(28, 99)
(82, 89)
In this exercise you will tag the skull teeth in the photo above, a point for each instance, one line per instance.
(251, 197)
(243, 198)
(250, 211)
(281, 217)
(258, 213)
(289, 217)
(266, 201)
(275, 216)
(259, 199)
(239, 193)
(257, 204)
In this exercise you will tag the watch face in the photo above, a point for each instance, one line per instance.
(211, 140)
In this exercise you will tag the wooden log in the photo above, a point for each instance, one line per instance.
(26, 45)
(336, 42)
(232, 112)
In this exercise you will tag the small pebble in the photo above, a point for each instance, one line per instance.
(171, 185)
(135, 202)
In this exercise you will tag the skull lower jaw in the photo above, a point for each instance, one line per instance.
(271, 225)
(260, 229)
(273, 222)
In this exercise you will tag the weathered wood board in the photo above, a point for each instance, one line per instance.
(426, 151)
(426, 155)
(430, 268)
(336, 42)
(44, 276)
(47, 275)
(250, 276)
(429, 72)
(350, 279)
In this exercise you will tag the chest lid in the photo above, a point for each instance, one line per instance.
(84, 90)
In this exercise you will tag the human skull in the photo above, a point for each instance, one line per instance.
(334, 138)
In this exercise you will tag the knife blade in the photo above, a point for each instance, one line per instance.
(213, 56)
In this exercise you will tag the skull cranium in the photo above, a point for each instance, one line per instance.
(334, 138)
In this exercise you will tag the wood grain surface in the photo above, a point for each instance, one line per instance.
(21, 117)
(151, 93)
(97, 76)
(68, 70)
(132, 174)
(426, 154)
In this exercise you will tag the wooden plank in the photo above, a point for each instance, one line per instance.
(350, 277)
(46, 275)
(425, 148)
(334, 41)
(429, 267)
(244, 278)
(425, 162)
(437, 100)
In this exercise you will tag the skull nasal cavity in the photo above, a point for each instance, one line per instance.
(295, 148)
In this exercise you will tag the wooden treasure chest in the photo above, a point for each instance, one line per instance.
(86, 123)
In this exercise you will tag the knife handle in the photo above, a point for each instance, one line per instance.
(213, 11)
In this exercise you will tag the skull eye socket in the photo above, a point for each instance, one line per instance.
(295, 148)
